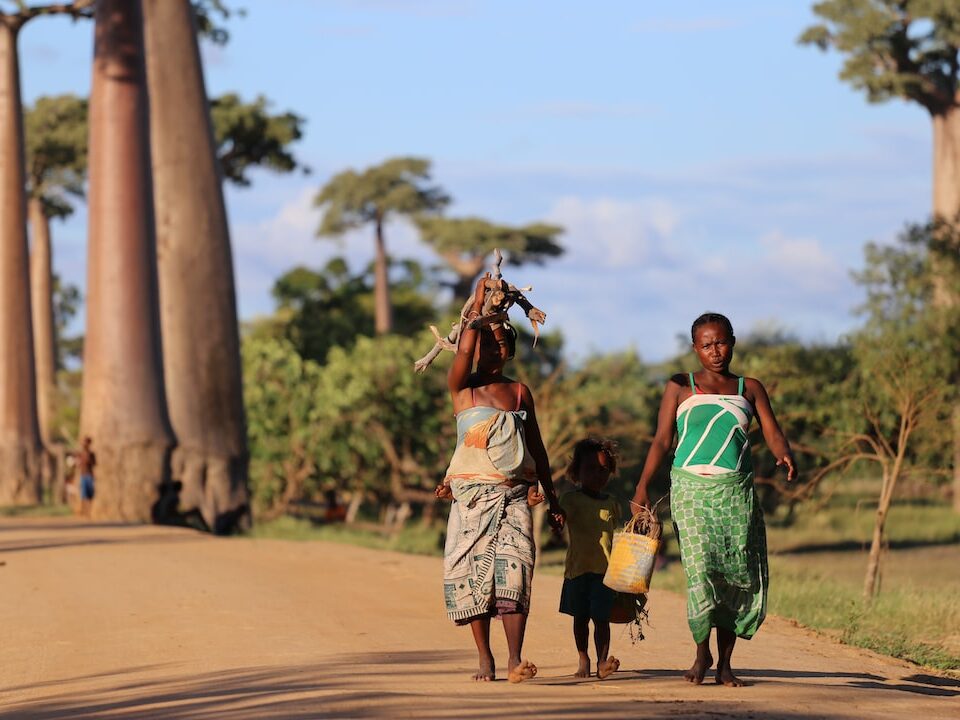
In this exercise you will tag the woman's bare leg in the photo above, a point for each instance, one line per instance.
(703, 662)
(726, 639)
(514, 627)
(481, 636)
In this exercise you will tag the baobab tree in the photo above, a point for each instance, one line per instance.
(198, 313)
(123, 401)
(910, 49)
(350, 200)
(56, 150)
(20, 445)
(466, 243)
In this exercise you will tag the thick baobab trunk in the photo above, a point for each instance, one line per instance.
(44, 334)
(20, 448)
(198, 312)
(383, 312)
(946, 205)
(123, 406)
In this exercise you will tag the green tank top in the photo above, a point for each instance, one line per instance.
(712, 430)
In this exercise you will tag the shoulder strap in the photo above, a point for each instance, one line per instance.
(473, 400)
(519, 390)
(740, 385)
(693, 385)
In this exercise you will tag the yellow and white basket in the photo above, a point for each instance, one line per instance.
(634, 553)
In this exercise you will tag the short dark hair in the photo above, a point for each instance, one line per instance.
(707, 318)
(592, 445)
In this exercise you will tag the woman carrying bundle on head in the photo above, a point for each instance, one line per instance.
(492, 478)
(715, 510)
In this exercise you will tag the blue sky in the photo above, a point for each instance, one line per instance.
(698, 158)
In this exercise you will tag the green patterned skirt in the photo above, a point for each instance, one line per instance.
(723, 548)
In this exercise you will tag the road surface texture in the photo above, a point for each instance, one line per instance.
(113, 621)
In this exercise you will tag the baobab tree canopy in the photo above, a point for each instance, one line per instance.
(399, 185)
(56, 145)
(895, 48)
(465, 243)
(248, 135)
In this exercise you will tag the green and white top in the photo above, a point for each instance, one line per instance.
(713, 432)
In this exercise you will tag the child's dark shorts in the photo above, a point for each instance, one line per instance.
(587, 596)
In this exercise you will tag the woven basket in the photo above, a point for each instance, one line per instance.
(634, 553)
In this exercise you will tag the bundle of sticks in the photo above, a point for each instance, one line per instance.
(499, 297)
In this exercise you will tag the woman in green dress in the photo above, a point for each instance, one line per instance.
(715, 510)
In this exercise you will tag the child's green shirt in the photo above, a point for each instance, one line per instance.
(591, 523)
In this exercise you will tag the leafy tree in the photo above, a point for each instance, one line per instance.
(466, 243)
(908, 49)
(399, 186)
(247, 135)
(319, 310)
(898, 403)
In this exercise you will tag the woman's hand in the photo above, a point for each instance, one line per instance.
(443, 492)
(791, 464)
(480, 293)
(640, 499)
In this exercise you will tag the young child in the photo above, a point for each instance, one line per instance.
(592, 517)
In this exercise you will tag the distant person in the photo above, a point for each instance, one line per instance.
(592, 516)
(335, 512)
(489, 552)
(719, 522)
(86, 462)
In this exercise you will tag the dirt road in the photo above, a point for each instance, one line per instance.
(100, 621)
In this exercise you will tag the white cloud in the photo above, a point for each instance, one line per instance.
(607, 232)
(802, 261)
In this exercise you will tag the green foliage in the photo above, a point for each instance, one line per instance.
(66, 303)
(208, 14)
(247, 135)
(415, 539)
(397, 186)
(319, 310)
(283, 422)
(894, 48)
(55, 134)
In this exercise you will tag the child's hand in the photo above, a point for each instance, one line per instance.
(443, 492)
(556, 517)
(534, 497)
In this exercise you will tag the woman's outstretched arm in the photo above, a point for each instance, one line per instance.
(772, 434)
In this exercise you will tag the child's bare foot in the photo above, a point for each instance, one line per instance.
(606, 668)
(524, 670)
(584, 670)
(726, 677)
(699, 668)
(487, 671)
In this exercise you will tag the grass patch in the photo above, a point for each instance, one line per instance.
(917, 621)
(30, 511)
(414, 539)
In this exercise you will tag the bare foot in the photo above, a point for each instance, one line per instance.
(584, 670)
(487, 671)
(699, 668)
(606, 668)
(524, 670)
(726, 677)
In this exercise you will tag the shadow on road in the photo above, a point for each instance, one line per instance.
(384, 685)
